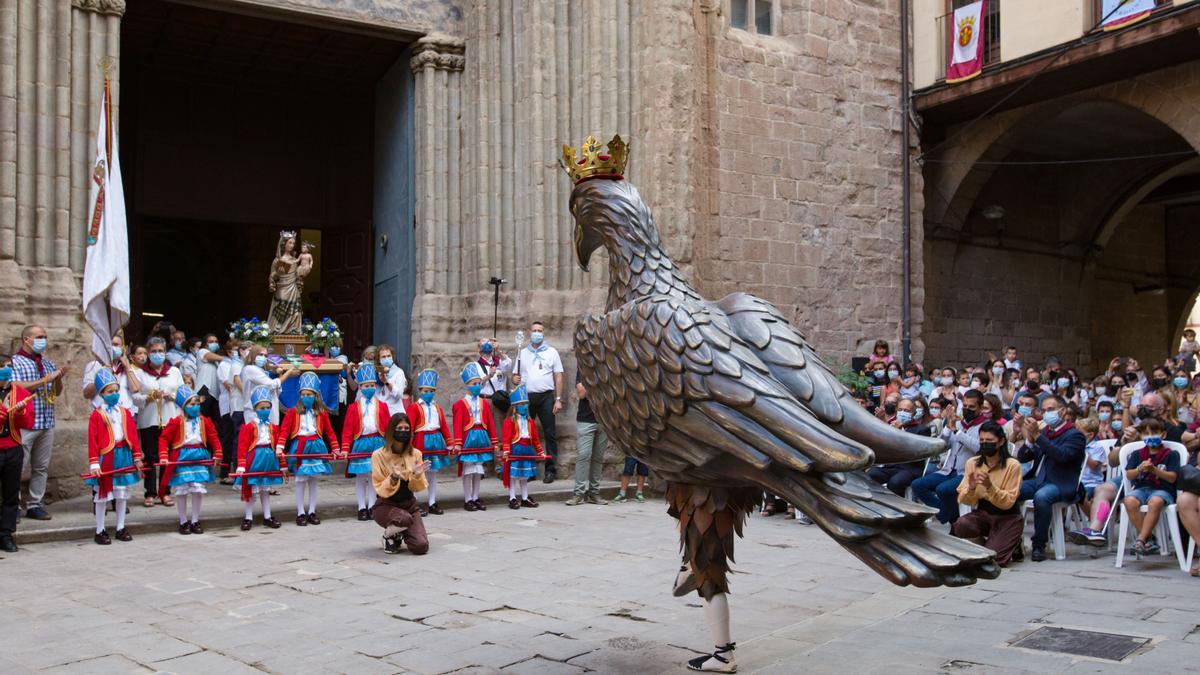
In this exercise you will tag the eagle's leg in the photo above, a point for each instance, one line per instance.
(710, 518)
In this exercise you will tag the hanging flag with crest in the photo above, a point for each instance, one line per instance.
(966, 47)
(1118, 14)
(106, 269)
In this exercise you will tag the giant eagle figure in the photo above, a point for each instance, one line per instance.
(726, 400)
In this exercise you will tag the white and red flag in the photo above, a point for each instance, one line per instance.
(966, 47)
(106, 270)
(1118, 14)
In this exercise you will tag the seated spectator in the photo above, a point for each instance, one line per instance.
(1151, 471)
(1104, 420)
(980, 382)
(1011, 360)
(939, 488)
(993, 479)
(946, 385)
(897, 477)
(964, 381)
(887, 411)
(882, 353)
(937, 423)
(1063, 387)
(992, 408)
(1057, 451)
(1098, 492)
(1185, 397)
(1160, 378)
(1188, 509)
(1008, 387)
(876, 374)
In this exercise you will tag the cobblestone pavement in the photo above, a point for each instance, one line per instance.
(553, 590)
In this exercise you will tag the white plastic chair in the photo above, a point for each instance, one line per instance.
(908, 493)
(1059, 512)
(1167, 528)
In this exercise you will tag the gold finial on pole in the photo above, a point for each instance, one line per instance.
(106, 65)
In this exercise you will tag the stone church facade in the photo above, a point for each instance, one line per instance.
(772, 161)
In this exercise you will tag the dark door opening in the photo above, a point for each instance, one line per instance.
(234, 128)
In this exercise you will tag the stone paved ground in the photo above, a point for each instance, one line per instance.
(556, 590)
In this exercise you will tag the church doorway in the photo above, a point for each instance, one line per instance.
(235, 127)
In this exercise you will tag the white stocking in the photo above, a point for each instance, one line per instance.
(312, 495)
(249, 510)
(265, 496)
(432, 476)
(120, 505)
(196, 501)
(467, 498)
(512, 488)
(360, 489)
(100, 507)
(301, 483)
(524, 488)
(475, 482)
(717, 613)
(181, 504)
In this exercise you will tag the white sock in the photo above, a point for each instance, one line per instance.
(524, 488)
(432, 476)
(475, 481)
(360, 489)
(196, 499)
(371, 496)
(512, 488)
(249, 510)
(301, 483)
(181, 504)
(467, 490)
(120, 505)
(312, 495)
(717, 613)
(266, 504)
(100, 508)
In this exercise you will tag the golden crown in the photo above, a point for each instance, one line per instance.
(591, 163)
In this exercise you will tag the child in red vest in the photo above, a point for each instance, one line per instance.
(475, 436)
(362, 434)
(192, 447)
(306, 430)
(113, 455)
(256, 455)
(431, 432)
(520, 440)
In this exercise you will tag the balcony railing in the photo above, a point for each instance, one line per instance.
(991, 35)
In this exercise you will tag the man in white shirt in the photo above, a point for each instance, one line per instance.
(540, 369)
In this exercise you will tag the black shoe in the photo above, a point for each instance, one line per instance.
(271, 523)
(362, 514)
(102, 538)
(313, 519)
(1038, 555)
(548, 478)
(423, 511)
(470, 506)
(514, 504)
(529, 503)
(435, 509)
(247, 524)
(370, 513)
(185, 528)
(302, 520)
(197, 529)
(479, 505)
(38, 513)
(1018, 554)
(123, 535)
(8, 545)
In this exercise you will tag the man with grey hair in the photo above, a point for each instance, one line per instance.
(37, 374)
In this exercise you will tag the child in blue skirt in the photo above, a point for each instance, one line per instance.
(475, 436)
(431, 433)
(256, 455)
(362, 430)
(520, 440)
(306, 430)
(112, 449)
(192, 446)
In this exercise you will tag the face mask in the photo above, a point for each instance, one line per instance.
(878, 374)
(969, 415)
(178, 346)
(1153, 441)
(1105, 416)
(1115, 387)
(1052, 418)
(474, 389)
(1016, 384)
(117, 352)
(1064, 382)
(947, 381)
(1101, 391)
(260, 361)
(402, 435)
(1117, 424)
(213, 347)
(111, 398)
(39, 345)
(889, 408)
(988, 449)
(367, 392)
(335, 351)
(934, 412)
(307, 401)
(536, 337)
(523, 410)
(976, 384)
(369, 362)
(918, 413)
(157, 358)
(1158, 382)
(1024, 410)
(427, 396)
(893, 374)
(486, 348)
(264, 414)
(904, 417)
(386, 362)
(1180, 382)
(192, 411)
(1145, 412)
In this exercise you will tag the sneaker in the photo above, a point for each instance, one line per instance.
(38, 513)
(246, 524)
(123, 535)
(514, 504)
(435, 509)
(102, 538)
(576, 500)
(595, 499)
(8, 545)
(620, 498)
(1080, 537)
(389, 545)
(1097, 539)
(271, 523)
(640, 497)
(529, 503)
(1038, 555)
(803, 519)
(720, 661)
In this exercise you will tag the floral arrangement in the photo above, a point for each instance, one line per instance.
(322, 334)
(254, 329)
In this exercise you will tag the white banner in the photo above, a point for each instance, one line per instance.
(1120, 13)
(968, 32)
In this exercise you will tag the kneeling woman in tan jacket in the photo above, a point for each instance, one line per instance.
(397, 471)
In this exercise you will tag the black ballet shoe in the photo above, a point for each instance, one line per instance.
(529, 503)
(470, 506)
(302, 520)
(102, 538)
(313, 519)
(514, 504)
(185, 528)
(247, 524)
(271, 523)
(435, 509)
(123, 535)
(479, 505)
(362, 514)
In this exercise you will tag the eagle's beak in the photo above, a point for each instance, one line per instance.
(586, 243)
